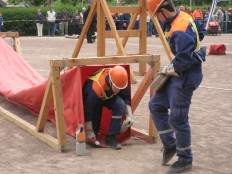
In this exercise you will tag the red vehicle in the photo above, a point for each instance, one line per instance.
(214, 28)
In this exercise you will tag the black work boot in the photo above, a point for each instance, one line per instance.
(168, 154)
(179, 167)
(112, 142)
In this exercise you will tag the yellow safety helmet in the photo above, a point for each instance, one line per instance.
(118, 77)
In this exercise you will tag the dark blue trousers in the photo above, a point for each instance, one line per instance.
(169, 108)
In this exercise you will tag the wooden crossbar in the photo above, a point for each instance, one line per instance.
(16, 41)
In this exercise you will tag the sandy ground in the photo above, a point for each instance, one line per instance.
(210, 119)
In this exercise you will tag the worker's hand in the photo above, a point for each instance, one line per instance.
(128, 122)
(168, 70)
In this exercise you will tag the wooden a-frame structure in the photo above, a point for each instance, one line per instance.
(103, 14)
(53, 90)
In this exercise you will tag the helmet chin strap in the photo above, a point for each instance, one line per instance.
(163, 14)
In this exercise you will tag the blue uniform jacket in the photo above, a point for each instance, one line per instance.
(183, 41)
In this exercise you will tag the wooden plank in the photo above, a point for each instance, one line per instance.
(58, 107)
(153, 132)
(105, 60)
(137, 133)
(143, 37)
(124, 33)
(46, 138)
(46, 104)
(85, 29)
(17, 46)
(9, 34)
(124, 9)
(141, 90)
(101, 23)
(162, 37)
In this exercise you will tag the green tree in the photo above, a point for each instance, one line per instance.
(33, 2)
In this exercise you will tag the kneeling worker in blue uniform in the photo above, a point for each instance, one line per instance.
(170, 105)
(107, 87)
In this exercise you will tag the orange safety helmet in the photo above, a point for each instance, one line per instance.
(153, 5)
(118, 77)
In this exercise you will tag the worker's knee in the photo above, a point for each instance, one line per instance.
(179, 114)
(118, 107)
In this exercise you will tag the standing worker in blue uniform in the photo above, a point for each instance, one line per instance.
(169, 106)
(107, 87)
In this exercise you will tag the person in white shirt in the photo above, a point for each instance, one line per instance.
(51, 18)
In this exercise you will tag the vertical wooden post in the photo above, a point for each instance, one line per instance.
(17, 45)
(153, 132)
(46, 104)
(100, 30)
(143, 37)
(58, 107)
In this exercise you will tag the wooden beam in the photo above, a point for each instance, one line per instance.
(137, 133)
(152, 129)
(17, 46)
(141, 90)
(85, 29)
(162, 37)
(46, 138)
(46, 104)
(105, 60)
(58, 107)
(112, 27)
(124, 9)
(9, 34)
(124, 33)
(101, 23)
(143, 37)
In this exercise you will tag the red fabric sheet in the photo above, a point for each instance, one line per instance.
(21, 84)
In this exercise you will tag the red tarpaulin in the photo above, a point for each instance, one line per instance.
(21, 84)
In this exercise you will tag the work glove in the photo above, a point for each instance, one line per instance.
(128, 122)
(168, 70)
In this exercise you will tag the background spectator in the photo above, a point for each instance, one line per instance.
(39, 23)
(64, 22)
(197, 14)
(1, 21)
(226, 19)
(51, 18)
(189, 11)
(75, 22)
(82, 18)
(220, 18)
(92, 28)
